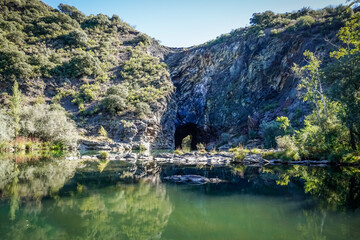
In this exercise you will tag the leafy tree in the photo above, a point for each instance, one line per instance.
(13, 63)
(344, 76)
(311, 78)
(72, 11)
(15, 107)
(263, 19)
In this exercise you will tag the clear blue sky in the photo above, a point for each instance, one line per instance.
(183, 23)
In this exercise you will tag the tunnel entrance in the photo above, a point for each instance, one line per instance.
(185, 130)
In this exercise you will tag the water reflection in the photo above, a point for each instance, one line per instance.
(64, 199)
(31, 181)
(334, 188)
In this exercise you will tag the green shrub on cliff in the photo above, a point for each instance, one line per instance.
(114, 104)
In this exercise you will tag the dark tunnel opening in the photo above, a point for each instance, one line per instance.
(185, 130)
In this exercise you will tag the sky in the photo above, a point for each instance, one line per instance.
(184, 23)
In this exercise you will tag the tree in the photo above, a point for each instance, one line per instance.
(344, 76)
(72, 11)
(264, 19)
(15, 107)
(311, 77)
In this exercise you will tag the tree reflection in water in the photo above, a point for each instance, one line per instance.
(60, 200)
(116, 211)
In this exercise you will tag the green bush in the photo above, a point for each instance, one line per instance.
(186, 144)
(114, 104)
(83, 64)
(119, 90)
(6, 127)
(304, 22)
(103, 155)
(142, 109)
(270, 130)
(76, 38)
(72, 12)
(13, 63)
(49, 124)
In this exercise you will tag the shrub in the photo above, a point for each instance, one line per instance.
(119, 90)
(83, 64)
(239, 156)
(200, 147)
(224, 138)
(186, 144)
(49, 124)
(142, 109)
(72, 12)
(13, 63)
(6, 128)
(270, 130)
(304, 22)
(290, 150)
(114, 104)
(103, 155)
(90, 92)
(77, 38)
(102, 132)
(178, 151)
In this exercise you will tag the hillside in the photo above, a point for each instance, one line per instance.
(64, 56)
(107, 74)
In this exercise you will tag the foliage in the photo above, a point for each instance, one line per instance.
(145, 82)
(72, 12)
(304, 22)
(114, 104)
(178, 151)
(13, 64)
(103, 155)
(328, 139)
(102, 132)
(15, 107)
(186, 144)
(270, 130)
(6, 127)
(142, 109)
(343, 75)
(77, 38)
(311, 82)
(48, 123)
(83, 64)
(200, 147)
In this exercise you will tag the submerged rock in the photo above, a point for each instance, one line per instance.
(192, 179)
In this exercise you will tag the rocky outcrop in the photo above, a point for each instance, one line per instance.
(219, 87)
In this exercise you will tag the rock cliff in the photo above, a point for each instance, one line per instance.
(235, 84)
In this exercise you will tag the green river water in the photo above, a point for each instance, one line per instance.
(63, 199)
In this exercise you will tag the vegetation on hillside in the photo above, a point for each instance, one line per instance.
(34, 127)
(332, 130)
(98, 62)
(306, 20)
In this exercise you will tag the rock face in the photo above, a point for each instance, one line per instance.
(234, 85)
